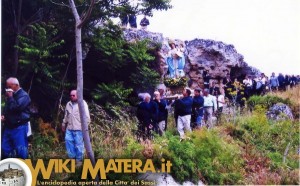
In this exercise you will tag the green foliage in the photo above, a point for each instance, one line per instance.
(131, 63)
(266, 101)
(183, 158)
(38, 50)
(206, 156)
(114, 94)
(173, 82)
(275, 140)
(148, 6)
(219, 161)
(41, 64)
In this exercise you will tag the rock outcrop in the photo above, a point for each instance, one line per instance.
(218, 58)
(280, 112)
(200, 55)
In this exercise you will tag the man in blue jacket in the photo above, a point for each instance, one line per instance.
(184, 111)
(161, 118)
(16, 117)
(147, 113)
(198, 102)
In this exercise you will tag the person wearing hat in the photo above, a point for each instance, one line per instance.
(175, 60)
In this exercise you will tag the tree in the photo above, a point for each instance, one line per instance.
(79, 22)
(17, 15)
(105, 8)
(40, 64)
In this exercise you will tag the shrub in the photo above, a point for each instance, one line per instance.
(204, 156)
(266, 101)
(218, 161)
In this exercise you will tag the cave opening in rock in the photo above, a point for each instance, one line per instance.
(237, 72)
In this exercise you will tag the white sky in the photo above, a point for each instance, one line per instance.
(265, 32)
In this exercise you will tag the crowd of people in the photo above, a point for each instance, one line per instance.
(197, 108)
(193, 109)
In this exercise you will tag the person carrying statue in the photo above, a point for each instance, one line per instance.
(175, 60)
(147, 113)
(198, 103)
(161, 118)
(184, 111)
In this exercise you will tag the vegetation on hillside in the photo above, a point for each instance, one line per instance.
(251, 150)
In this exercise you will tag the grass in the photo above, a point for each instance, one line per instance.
(294, 96)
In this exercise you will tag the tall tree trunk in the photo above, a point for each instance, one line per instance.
(15, 61)
(83, 114)
(17, 22)
(83, 118)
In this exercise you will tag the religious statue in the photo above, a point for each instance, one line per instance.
(176, 60)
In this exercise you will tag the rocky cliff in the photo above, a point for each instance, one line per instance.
(201, 55)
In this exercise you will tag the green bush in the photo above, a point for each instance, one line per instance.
(218, 161)
(204, 156)
(269, 140)
(266, 101)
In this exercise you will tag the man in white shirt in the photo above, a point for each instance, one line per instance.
(210, 105)
(248, 83)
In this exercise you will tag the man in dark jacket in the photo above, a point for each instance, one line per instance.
(132, 21)
(147, 115)
(184, 111)
(206, 78)
(161, 118)
(281, 82)
(16, 117)
(198, 102)
(144, 23)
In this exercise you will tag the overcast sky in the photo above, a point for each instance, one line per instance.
(265, 32)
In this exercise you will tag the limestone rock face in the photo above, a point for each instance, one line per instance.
(134, 34)
(200, 55)
(279, 112)
(208, 55)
